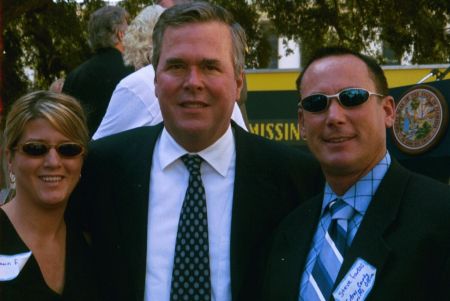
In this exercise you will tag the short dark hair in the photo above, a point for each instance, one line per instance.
(375, 70)
(200, 12)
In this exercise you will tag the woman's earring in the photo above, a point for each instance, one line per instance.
(12, 180)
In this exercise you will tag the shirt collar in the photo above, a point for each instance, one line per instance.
(218, 155)
(361, 193)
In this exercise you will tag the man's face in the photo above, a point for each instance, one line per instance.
(346, 141)
(196, 84)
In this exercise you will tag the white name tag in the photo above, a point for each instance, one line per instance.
(11, 265)
(358, 282)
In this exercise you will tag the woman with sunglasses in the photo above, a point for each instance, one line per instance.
(42, 257)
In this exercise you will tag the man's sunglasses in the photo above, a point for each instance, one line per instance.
(37, 149)
(348, 98)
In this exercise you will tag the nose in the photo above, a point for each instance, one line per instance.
(335, 112)
(194, 78)
(52, 158)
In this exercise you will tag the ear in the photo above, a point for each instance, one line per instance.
(388, 106)
(155, 82)
(239, 85)
(301, 124)
(120, 35)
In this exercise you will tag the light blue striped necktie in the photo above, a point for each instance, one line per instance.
(331, 256)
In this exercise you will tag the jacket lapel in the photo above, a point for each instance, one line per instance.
(369, 243)
(133, 204)
(252, 187)
(296, 238)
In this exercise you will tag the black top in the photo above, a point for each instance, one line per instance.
(94, 81)
(270, 180)
(30, 284)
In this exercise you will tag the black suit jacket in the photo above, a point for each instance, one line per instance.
(405, 235)
(94, 81)
(270, 180)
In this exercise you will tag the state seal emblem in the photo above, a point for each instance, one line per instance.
(421, 119)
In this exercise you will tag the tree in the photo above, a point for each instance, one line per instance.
(49, 37)
(42, 37)
(407, 26)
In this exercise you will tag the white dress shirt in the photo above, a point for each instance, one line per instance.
(168, 183)
(134, 104)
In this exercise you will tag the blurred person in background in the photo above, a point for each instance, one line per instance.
(133, 102)
(94, 81)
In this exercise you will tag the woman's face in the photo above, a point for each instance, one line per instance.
(46, 180)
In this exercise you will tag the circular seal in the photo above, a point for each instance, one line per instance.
(421, 119)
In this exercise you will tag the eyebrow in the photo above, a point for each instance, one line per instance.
(210, 62)
(174, 61)
(202, 62)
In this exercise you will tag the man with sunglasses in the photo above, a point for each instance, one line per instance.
(153, 237)
(378, 231)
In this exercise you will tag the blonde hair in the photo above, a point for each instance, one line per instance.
(137, 41)
(62, 111)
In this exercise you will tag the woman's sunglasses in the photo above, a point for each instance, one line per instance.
(348, 98)
(37, 149)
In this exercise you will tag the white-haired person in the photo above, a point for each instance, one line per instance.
(133, 103)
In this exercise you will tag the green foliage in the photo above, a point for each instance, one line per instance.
(44, 37)
(416, 26)
(49, 37)
(258, 53)
(423, 131)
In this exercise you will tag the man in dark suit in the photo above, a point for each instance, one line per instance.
(378, 232)
(134, 182)
(94, 81)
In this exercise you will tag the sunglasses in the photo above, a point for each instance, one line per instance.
(348, 98)
(37, 149)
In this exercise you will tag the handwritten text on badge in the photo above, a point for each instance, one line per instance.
(357, 283)
(11, 265)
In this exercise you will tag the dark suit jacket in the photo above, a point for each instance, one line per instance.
(94, 81)
(270, 180)
(405, 235)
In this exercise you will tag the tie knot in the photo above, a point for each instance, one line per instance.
(341, 210)
(192, 163)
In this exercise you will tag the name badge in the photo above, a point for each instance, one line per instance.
(11, 265)
(357, 283)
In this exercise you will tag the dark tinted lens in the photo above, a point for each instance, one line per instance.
(34, 149)
(69, 149)
(314, 103)
(353, 97)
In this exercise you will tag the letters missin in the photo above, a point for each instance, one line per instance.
(280, 130)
